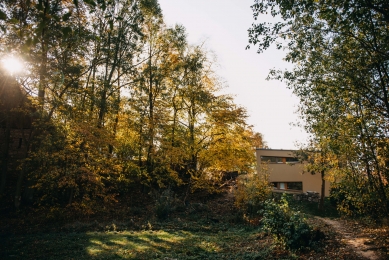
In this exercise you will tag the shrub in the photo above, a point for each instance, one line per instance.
(251, 192)
(164, 203)
(287, 226)
(358, 201)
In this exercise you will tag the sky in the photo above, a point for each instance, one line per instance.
(223, 25)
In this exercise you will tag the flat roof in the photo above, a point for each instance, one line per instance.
(265, 149)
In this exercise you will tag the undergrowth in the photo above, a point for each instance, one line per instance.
(289, 227)
(312, 208)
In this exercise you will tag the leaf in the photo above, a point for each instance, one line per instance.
(29, 41)
(3, 16)
(39, 6)
(14, 21)
(66, 31)
(56, 18)
(90, 3)
(66, 16)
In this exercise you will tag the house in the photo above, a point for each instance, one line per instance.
(287, 174)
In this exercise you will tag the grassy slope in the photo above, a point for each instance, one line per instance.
(212, 231)
(170, 241)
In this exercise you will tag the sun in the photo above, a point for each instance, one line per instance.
(12, 64)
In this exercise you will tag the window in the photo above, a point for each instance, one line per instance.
(288, 185)
(271, 159)
(274, 159)
(295, 186)
(291, 159)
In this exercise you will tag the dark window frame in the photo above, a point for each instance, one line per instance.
(279, 159)
(288, 184)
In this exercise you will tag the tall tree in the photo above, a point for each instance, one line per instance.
(341, 76)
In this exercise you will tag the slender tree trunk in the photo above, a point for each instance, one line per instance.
(93, 96)
(193, 155)
(116, 122)
(23, 171)
(71, 196)
(5, 154)
(43, 65)
(323, 189)
(94, 65)
(173, 132)
(151, 116)
(140, 140)
(103, 104)
(110, 67)
(19, 183)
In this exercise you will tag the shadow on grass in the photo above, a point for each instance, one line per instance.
(160, 244)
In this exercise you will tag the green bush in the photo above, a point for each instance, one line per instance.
(358, 201)
(165, 204)
(287, 226)
(252, 191)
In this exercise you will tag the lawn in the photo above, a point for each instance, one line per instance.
(213, 231)
(194, 241)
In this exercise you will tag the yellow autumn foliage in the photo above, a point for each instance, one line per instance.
(252, 190)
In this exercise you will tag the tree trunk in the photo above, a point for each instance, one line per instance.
(191, 124)
(4, 154)
(323, 189)
(22, 173)
(150, 149)
(18, 197)
(43, 65)
(115, 125)
(71, 196)
(103, 104)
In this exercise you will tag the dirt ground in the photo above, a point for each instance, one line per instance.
(367, 242)
(346, 239)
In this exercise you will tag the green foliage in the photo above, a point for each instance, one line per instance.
(66, 170)
(340, 53)
(356, 201)
(165, 203)
(311, 208)
(287, 226)
(252, 191)
(122, 103)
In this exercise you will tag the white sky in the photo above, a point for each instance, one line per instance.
(223, 25)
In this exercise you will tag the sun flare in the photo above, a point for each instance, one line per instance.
(12, 64)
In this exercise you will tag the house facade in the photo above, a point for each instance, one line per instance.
(287, 174)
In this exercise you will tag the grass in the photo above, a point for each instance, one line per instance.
(197, 241)
(213, 232)
(184, 235)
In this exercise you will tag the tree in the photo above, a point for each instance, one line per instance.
(319, 158)
(123, 103)
(341, 77)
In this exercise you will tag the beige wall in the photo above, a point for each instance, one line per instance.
(291, 172)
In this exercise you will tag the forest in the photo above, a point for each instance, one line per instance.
(117, 140)
(112, 101)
